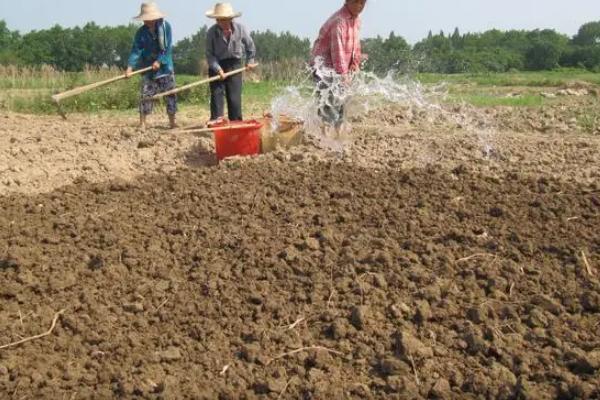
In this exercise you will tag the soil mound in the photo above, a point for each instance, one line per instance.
(304, 280)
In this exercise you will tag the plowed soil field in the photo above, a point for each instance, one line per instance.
(411, 265)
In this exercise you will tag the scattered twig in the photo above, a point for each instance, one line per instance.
(153, 385)
(224, 370)
(21, 318)
(433, 337)
(498, 331)
(359, 279)
(414, 367)
(284, 389)
(588, 267)
(16, 389)
(330, 299)
(253, 203)
(478, 255)
(492, 262)
(56, 317)
(291, 353)
(510, 289)
(332, 290)
(295, 324)
(161, 305)
(573, 219)
(507, 326)
(362, 292)
(485, 302)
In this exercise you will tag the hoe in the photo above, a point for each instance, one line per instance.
(77, 91)
(57, 98)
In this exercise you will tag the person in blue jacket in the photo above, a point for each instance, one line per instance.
(153, 46)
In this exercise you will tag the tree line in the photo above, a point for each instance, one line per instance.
(71, 49)
(501, 51)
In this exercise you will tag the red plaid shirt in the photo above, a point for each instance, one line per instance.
(338, 43)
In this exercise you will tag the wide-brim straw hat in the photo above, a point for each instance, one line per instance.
(150, 12)
(222, 10)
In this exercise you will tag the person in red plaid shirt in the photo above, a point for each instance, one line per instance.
(336, 55)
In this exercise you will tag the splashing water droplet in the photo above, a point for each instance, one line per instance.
(346, 100)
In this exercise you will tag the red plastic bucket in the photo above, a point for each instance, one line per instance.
(237, 138)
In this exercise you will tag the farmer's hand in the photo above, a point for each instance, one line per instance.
(128, 72)
(155, 66)
(251, 66)
(222, 74)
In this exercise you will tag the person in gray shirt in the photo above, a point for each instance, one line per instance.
(227, 43)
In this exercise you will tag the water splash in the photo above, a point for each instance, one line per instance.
(367, 92)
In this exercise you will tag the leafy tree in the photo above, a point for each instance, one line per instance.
(9, 42)
(275, 47)
(588, 34)
(189, 53)
(107, 46)
(392, 53)
(545, 50)
(5, 35)
(542, 55)
(456, 38)
(434, 53)
(122, 39)
(72, 49)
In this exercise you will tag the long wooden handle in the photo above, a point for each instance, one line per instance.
(194, 84)
(217, 128)
(74, 92)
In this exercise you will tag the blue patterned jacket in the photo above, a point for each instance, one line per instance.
(151, 46)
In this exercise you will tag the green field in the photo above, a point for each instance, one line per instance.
(530, 79)
(29, 91)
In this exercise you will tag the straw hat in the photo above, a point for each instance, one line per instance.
(222, 10)
(150, 12)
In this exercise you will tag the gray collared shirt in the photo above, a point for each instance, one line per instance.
(218, 48)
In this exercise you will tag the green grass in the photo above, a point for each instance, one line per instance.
(588, 118)
(258, 95)
(482, 100)
(123, 95)
(533, 79)
(29, 91)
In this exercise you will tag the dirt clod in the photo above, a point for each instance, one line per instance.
(441, 389)
(423, 313)
(393, 366)
(359, 317)
(133, 307)
(145, 144)
(172, 354)
(547, 304)
(591, 301)
(95, 263)
(408, 346)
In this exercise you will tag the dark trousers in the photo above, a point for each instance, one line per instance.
(330, 93)
(230, 89)
(151, 87)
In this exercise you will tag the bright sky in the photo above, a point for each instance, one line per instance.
(411, 19)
